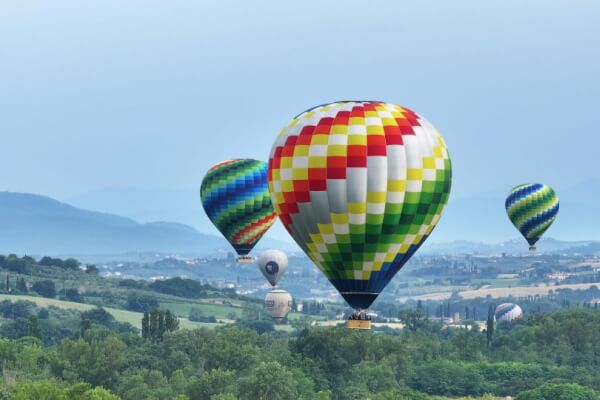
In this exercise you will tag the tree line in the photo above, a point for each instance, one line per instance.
(69, 355)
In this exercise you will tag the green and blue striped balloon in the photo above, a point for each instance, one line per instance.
(235, 196)
(532, 208)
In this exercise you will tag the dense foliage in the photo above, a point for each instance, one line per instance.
(548, 356)
(53, 354)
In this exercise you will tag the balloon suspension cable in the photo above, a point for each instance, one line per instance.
(360, 315)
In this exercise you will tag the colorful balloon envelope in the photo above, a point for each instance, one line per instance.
(507, 312)
(235, 197)
(532, 208)
(359, 185)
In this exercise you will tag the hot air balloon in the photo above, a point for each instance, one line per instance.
(359, 185)
(235, 197)
(279, 304)
(273, 264)
(508, 312)
(532, 208)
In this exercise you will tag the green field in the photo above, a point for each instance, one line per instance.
(134, 318)
(217, 310)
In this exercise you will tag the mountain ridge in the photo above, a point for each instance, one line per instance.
(37, 224)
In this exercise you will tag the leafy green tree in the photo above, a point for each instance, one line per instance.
(33, 327)
(376, 377)
(331, 350)
(72, 294)
(43, 313)
(232, 348)
(181, 287)
(86, 325)
(412, 318)
(17, 309)
(71, 263)
(98, 362)
(98, 316)
(223, 396)
(44, 389)
(141, 302)
(268, 381)
(50, 390)
(568, 391)
(15, 264)
(30, 360)
(21, 286)
(212, 383)
(178, 380)
(260, 326)
(323, 395)
(447, 378)
(144, 384)
(91, 269)
(44, 288)
(133, 386)
(98, 393)
(50, 262)
(197, 315)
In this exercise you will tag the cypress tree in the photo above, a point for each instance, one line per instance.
(33, 327)
(161, 324)
(490, 325)
(146, 325)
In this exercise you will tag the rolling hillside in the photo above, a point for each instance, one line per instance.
(33, 224)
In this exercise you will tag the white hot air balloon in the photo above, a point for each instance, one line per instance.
(508, 312)
(279, 304)
(273, 264)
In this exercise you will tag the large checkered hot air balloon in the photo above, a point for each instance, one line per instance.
(532, 208)
(359, 185)
(235, 196)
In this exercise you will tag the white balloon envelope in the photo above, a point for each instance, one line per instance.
(273, 264)
(508, 312)
(279, 303)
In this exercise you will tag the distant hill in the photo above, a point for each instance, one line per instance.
(33, 224)
(476, 218)
(516, 246)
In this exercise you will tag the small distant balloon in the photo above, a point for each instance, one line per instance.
(235, 197)
(273, 264)
(279, 304)
(532, 208)
(508, 312)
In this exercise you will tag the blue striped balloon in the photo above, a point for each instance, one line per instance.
(532, 208)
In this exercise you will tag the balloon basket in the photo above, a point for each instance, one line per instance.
(358, 324)
(532, 249)
(244, 259)
(359, 320)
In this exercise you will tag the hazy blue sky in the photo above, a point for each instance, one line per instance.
(149, 94)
